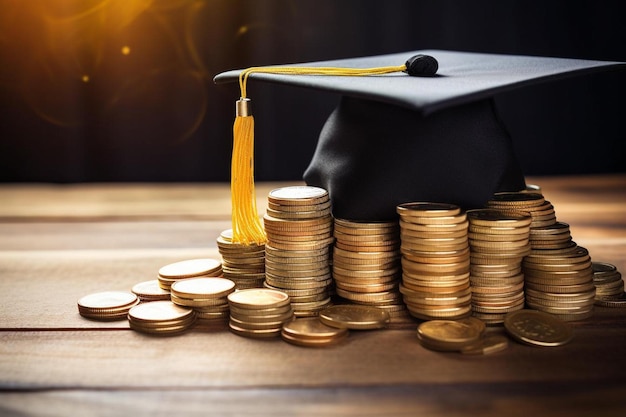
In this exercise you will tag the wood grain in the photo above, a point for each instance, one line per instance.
(58, 243)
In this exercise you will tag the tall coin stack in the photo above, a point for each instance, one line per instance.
(366, 265)
(498, 243)
(299, 226)
(435, 260)
(244, 264)
(557, 273)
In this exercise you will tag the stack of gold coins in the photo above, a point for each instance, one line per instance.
(160, 318)
(312, 333)
(244, 264)
(498, 242)
(299, 225)
(366, 265)
(554, 236)
(541, 211)
(435, 260)
(560, 282)
(107, 305)
(150, 291)
(259, 312)
(192, 268)
(608, 282)
(206, 296)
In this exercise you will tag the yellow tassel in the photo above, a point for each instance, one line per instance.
(247, 227)
(246, 224)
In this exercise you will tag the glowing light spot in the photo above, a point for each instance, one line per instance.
(243, 30)
(125, 50)
(85, 78)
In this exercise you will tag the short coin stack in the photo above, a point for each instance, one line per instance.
(160, 318)
(498, 242)
(244, 264)
(560, 282)
(541, 211)
(259, 312)
(435, 260)
(311, 332)
(299, 225)
(150, 291)
(206, 296)
(191, 268)
(107, 305)
(366, 265)
(554, 236)
(609, 285)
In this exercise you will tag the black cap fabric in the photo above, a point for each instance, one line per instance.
(397, 138)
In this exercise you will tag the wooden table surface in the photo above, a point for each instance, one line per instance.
(60, 242)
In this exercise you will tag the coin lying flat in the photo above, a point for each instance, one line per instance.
(447, 335)
(311, 332)
(355, 317)
(537, 328)
(107, 305)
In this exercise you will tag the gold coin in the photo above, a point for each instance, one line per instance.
(202, 288)
(158, 311)
(191, 268)
(312, 328)
(107, 300)
(491, 217)
(303, 246)
(150, 291)
(265, 324)
(271, 251)
(615, 302)
(354, 317)
(298, 194)
(493, 231)
(487, 345)
(260, 313)
(428, 209)
(429, 228)
(537, 328)
(257, 334)
(319, 342)
(446, 335)
(513, 198)
(456, 220)
(255, 298)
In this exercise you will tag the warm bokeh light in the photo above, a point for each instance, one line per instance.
(69, 56)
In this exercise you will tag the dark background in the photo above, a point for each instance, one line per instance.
(154, 114)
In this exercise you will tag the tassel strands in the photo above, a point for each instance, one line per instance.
(246, 224)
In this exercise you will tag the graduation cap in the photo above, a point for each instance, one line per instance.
(414, 126)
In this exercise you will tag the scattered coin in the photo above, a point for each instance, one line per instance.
(537, 328)
(355, 317)
(107, 305)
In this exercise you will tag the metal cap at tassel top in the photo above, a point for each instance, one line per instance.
(243, 107)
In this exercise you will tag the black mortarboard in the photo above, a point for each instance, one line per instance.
(397, 138)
